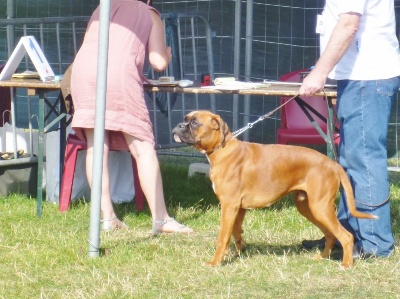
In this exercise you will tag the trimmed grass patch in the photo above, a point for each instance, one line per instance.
(47, 257)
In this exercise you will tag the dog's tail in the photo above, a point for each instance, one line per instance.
(351, 202)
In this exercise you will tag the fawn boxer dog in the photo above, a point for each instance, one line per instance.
(250, 175)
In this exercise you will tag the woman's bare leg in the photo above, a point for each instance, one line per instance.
(107, 209)
(151, 183)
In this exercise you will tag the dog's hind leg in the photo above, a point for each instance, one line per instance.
(302, 204)
(238, 230)
(325, 214)
(346, 239)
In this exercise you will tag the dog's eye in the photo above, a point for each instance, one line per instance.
(194, 122)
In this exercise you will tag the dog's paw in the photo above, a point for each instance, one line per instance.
(347, 265)
(318, 257)
(240, 246)
(239, 253)
(212, 264)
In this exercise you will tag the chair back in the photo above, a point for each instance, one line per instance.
(292, 116)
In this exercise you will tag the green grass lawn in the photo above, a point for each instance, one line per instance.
(47, 257)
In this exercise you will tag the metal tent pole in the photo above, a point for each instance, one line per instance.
(10, 28)
(236, 62)
(101, 89)
(248, 62)
(10, 46)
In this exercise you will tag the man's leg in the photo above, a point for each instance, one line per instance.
(364, 111)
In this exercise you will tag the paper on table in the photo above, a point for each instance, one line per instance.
(224, 80)
(158, 83)
(230, 83)
(238, 85)
(293, 83)
(26, 75)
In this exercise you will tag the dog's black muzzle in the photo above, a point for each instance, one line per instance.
(182, 133)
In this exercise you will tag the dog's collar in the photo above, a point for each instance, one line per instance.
(222, 144)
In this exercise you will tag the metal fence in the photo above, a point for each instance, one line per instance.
(196, 45)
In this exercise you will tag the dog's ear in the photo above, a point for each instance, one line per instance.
(215, 123)
(218, 124)
(225, 128)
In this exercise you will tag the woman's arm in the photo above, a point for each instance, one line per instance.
(159, 54)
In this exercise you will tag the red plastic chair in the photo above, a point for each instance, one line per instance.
(296, 127)
(74, 144)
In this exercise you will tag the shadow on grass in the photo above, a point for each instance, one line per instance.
(75, 204)
(263, 249)
(180, 192)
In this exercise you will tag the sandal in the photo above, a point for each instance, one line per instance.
(113, 224)
(158, 227)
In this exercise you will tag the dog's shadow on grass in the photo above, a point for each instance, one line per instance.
(261, 248)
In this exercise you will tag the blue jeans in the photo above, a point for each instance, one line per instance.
(363, 111)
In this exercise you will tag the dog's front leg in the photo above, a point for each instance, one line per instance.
(228, 218)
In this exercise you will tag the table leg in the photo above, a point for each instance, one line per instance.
(40, 154)
(331, 152)
(63, 138)
(13, 120)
